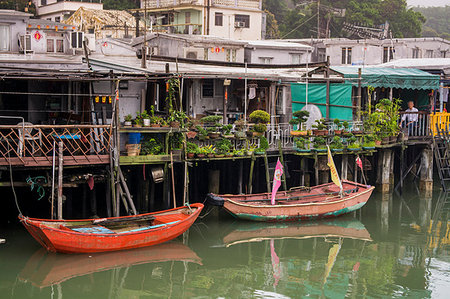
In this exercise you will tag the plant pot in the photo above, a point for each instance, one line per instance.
(296, 133)
(337, 132)
(385, 140)
(320, 132)
(259, 153)
(368, 147)
(337, 150)
(200, 155)
(190, 155)
(146, 122)
(303, 150)
(240, 134)
(229, 155)
(257, 134)
(229, 136)
(203, 137)
(354, 149)
(213, 135)
(377, 142)
(137, 126)
(191, 134)
(133, 149)
(127, 124)
(164, 126)
(174, 124)
(211, 155)
(320, 150)
(155, 125)
(219, 155)
(357, 132)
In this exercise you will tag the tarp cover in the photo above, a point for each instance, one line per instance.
(390, 77)
(340, 94)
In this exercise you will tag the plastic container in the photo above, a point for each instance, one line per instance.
(134, 138)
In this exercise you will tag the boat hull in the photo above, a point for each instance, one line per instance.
(327, 207)
(55, 239)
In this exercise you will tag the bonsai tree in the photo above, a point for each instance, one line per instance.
(263, 145)
(302, 143)
(336, 143)
(298, 118)
(337, 126)
(353, 143)
(320, 124)
(319, 143)
(223, 146)
(226, 129)
(152, 146)
(212, 122)
(369, 140)
(260, 118)
(128, 118)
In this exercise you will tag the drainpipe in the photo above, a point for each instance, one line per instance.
(208, 17)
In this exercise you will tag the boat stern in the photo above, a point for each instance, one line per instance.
(214, 200)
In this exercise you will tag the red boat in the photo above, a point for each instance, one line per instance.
(302, 203)
(110, 234)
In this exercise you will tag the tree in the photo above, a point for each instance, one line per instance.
(19, 5)
(120, 4)
(437, 23)
(272, 31)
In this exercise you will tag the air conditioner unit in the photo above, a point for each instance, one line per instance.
(25, 43)
(194, 53)
(76, 40)
(239, 24)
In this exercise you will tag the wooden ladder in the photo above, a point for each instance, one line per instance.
(441, 144)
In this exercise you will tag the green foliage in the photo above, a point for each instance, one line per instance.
(319, 142)
(299, 117)
(201, 130)
(384, 121)
(192, 148)
(128, 117)
(239, 124)
(302, 143)
(320, 124)
(211, 119)
(261, 128)
(176, 140)
(152, 146)
(353, 142)
(224, 146)
(144, 115)
(336, 143)
(207, 150)
(120, 4)
(173, 86)
(259, 116)
(226, 129)
(437, 23)
(19, 5)
(263, 144)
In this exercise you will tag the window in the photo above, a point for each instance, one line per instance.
(321, 53)
(208, 88)
(242, 21)
(346, 56)
(50, 45)
(265, 60)
(443, 54)
(59, 46)
(415, 53)
(388, 54)
(77, 40)
(219, 19)
(57, 19)
(233, 55)
(187, 17)
(4, 38)
(205, 53)
(429, 54)
(296, 58)
(43, 2)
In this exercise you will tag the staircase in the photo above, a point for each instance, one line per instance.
(441, 143)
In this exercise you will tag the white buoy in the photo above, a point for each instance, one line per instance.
(2, 241)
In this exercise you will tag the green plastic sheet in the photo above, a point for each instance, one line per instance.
(340, 98)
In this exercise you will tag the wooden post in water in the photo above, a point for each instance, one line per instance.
(385, 161)
(250, 179)
(316, 168)
(93, 197)
(266, 166)
(60, 178)
(344, 167)
(280, 149)
(240, 174)
(108, 196)
(426, 173)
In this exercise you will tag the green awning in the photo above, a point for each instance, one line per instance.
(404, 78)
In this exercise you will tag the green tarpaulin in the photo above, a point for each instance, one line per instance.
(340, 98)
(403, 78)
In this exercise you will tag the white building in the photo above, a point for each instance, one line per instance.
(60, 10)
(343, 51)
(277, 52)
(232, 19)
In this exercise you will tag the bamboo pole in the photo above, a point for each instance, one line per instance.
(60, 179)
(250, 179)
(266, 166)
(173, 180)
(127, 191)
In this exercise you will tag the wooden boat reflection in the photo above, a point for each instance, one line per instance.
(45, 269)
(257, 232)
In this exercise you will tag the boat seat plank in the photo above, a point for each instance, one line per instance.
(148, 227)
(97, 229)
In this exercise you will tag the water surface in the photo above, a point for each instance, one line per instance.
(394, 247)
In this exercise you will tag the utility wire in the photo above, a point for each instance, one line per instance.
(299, 26)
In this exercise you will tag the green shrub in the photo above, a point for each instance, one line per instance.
(261, 128)
(259, 116)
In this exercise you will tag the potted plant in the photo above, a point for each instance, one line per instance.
(133, 149)
(176, 142)
(320, 144)
(201, 152)
(239, 132)
(298, 119)
(260, 118)
(302, 144)
(336, 144)
(137, 120)
(239, 152)
(202, 133)
(353, 143)
(226, 131)
(250, 149)
(213, 125)
(152, 146)
(127, 120)
(145, 118)
(369, 142)
(210, 151)
(337, 126)
(223, 146)
(163, 123)
(191, 149)
(346, 127)
(320, 127)
(263, 146)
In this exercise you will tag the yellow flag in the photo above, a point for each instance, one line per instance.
(333, 170)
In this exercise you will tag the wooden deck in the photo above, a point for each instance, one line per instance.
(47, 161)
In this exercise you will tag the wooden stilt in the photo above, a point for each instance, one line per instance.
(152, 196)
(93, 201)
(173, 181)
(250, 179)
(316, 168)
(166, 186)
(344, 167)
(60, 179)
(302, 171)
(123, 198)
(240, 174)
(145, 196)
(266, 166)
(118, 194)
(127, 191)
(108, 197)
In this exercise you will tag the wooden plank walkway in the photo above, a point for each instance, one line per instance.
(47, 161)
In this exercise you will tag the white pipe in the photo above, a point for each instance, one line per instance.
(245, 98)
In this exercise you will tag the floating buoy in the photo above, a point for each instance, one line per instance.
(2, 241)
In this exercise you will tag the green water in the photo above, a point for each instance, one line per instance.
(388, 249)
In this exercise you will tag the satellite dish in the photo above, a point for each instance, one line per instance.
(314, 114)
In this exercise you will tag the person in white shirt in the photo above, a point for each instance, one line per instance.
(409, 120)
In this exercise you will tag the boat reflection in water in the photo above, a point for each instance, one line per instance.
(44, 269)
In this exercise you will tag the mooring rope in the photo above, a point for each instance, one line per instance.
(12, 185)
(33, 182)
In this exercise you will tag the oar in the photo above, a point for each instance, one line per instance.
(300, 197)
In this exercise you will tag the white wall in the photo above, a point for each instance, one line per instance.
(227, 30)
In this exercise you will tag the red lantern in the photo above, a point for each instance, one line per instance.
(37, 36)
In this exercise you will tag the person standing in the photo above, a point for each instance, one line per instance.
(410, 118)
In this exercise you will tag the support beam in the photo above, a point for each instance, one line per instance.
(344, 167)
(60, 178)
(426, 173)
(385, 161)
(266, 166)
(250, 179)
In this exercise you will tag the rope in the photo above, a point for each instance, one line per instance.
(33, 182)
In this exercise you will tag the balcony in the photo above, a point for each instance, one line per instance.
(251, 4)
(34, 145)
(62, 6)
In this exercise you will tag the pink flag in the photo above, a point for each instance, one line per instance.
(275, 263)
(359, 162)
(276, 180)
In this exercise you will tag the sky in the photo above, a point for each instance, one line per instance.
(428, 2)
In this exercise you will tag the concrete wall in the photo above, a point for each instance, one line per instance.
(39, 46)
(16, 26)
(61, 9)
(228, 30)
(279, 56)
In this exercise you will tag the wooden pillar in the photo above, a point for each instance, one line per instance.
(60, 179)
(166, 190)
(344, 167)
(93, 200)
(250, 178)
(266, 166)
(426, 173)
(385, 169)
(327, 76)
(302, 171)
(214, 181)
(108, 197)
(152, 196)
(240, 174)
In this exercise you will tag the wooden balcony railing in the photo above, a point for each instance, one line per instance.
(34, 145)
(419, 129)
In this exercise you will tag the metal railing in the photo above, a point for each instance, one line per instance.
(37, 142)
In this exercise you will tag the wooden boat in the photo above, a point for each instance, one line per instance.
(44, 269)
(302, 203)
(110, 234)
(258, 232)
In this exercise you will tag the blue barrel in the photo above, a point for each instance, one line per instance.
(134, 138)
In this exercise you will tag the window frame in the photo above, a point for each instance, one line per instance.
(210, 84)
(346, 55)
(61, 42)
(242, 18)
(218, 16)
(7, 38)
(50, 41)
